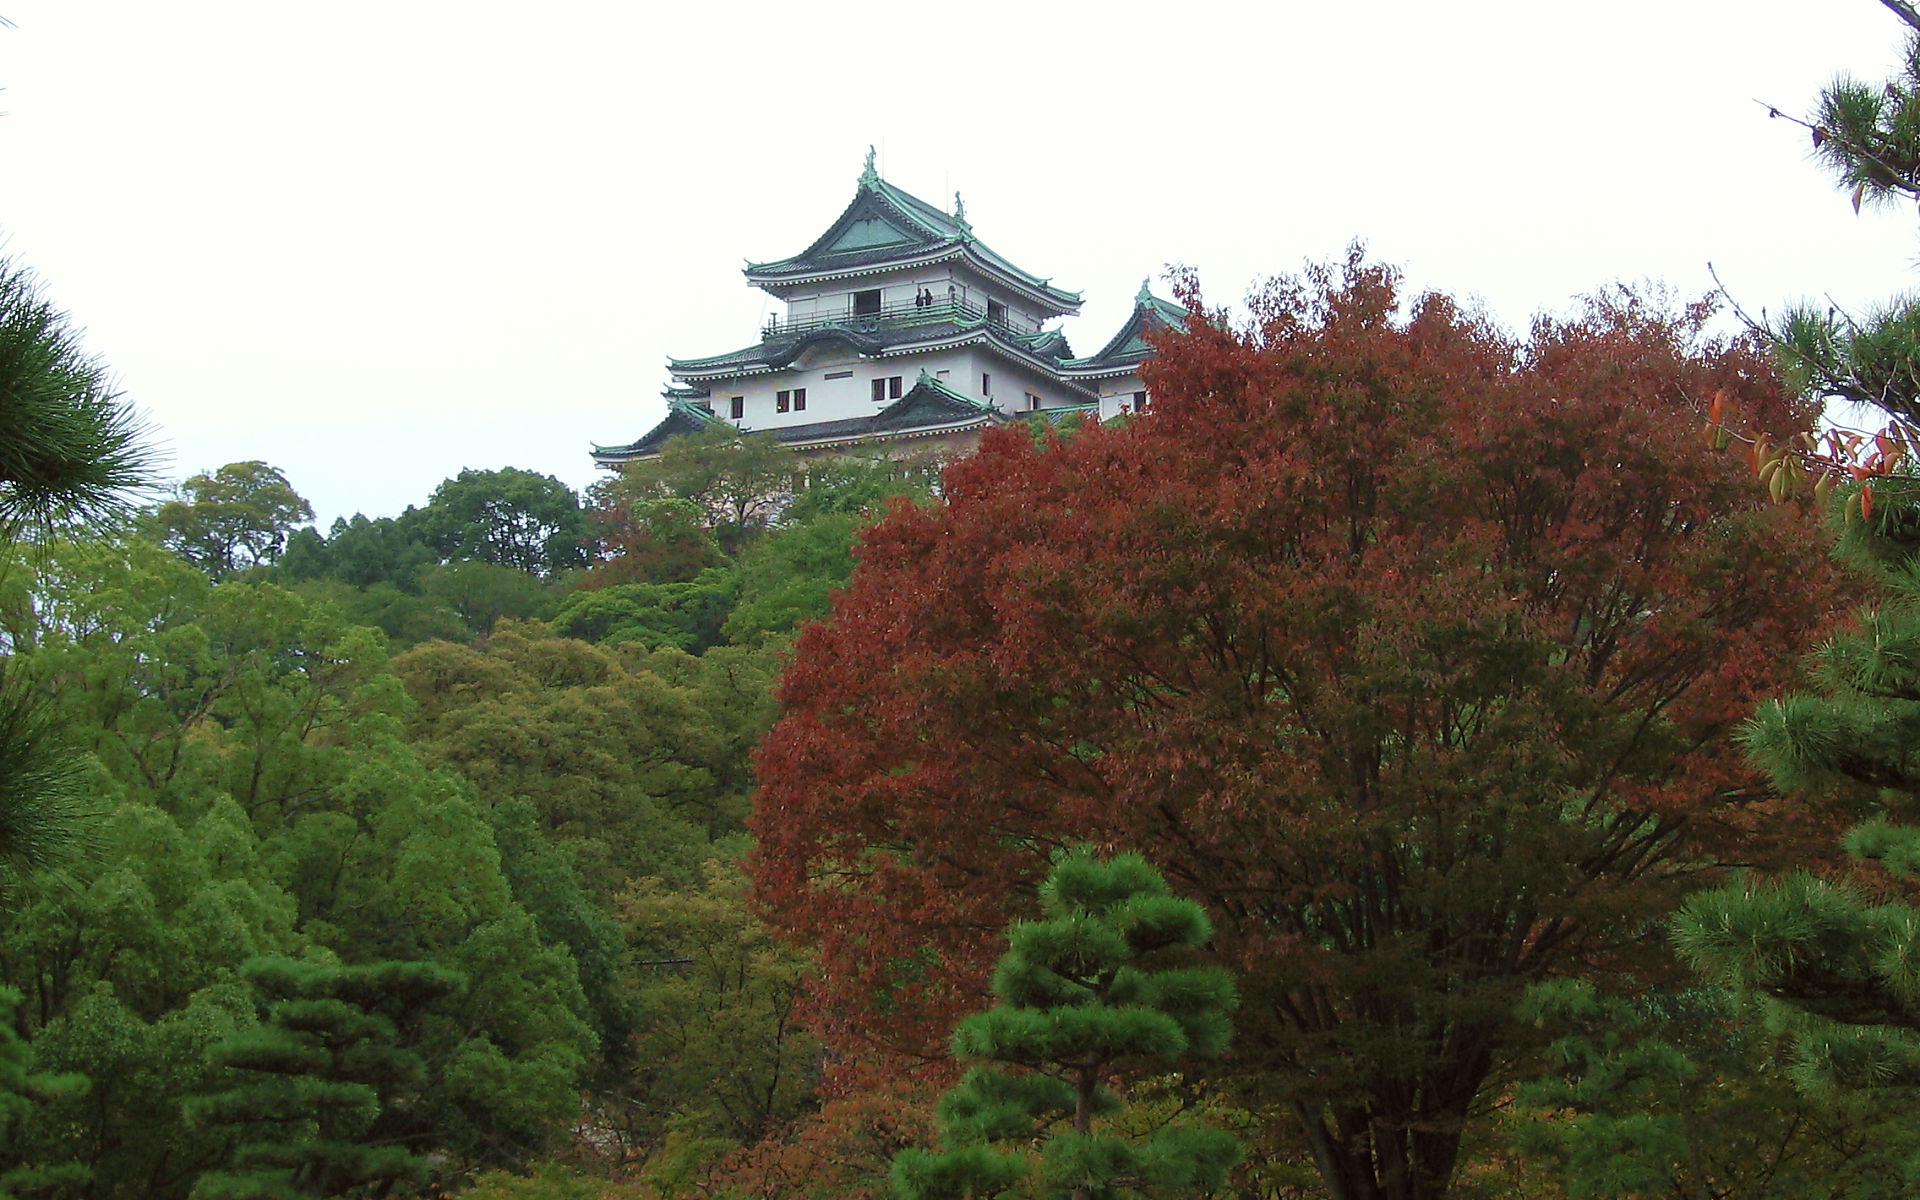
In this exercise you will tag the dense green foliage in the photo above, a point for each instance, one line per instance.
(1103, 982)
(414, 856)
(349, 921)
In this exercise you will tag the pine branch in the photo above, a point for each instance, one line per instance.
(1896, 179)
(1905, 11)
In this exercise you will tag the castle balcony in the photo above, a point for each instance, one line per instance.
(902, 315)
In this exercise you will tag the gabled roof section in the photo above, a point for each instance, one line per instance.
(1129, 348)
(885, 227)
(929, 404)
(687, 412)
(1046, 350)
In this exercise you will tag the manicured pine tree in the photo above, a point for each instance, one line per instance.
(1103, 983)
(321, 1113)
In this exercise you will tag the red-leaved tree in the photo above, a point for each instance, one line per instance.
(1410, 649)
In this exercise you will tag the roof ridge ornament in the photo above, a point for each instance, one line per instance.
(1145, 298)
(960, 216)
(926, 376)
(868, 175)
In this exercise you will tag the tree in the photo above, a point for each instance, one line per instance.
(69, 446)
(740, 482)
(509, 517)
(1411, 651)
(1099, 984)
(229, 520)
(70, 452)
(1675, 1094)
(45, 804)
(328, 1082)
(1868, 136)
(1826, 949)
(719, 1058)
(1836, 950)
(269, 805)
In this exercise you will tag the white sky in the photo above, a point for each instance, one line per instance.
(375, 243)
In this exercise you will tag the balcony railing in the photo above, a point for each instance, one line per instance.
(895, 316)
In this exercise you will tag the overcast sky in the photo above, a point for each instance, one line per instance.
(374, 244)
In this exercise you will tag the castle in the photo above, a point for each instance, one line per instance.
(903, 334)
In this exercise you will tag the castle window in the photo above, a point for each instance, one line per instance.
(1139, 402)
(886, 388)
(986, 384)
(1033, 401)
(738, 406)
(996, 312)
(782, 401)
(839, 374)
(866, 303)
(799, 399)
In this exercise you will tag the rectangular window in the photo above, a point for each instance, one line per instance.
(885, 388)
(799, 399)
(986, 384)
(996, 312)
(1033, 401)
(866, 303)
(1139, 402)
(839, 374)
(739, 406)
(893, 387)
(781, 400)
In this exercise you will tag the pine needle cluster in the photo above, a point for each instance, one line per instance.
(70, 449)
(1103, 983)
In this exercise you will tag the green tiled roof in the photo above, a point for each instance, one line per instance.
(1129, 347)
(775, 352)
(884, 224)
(685, 414)
(930, 402)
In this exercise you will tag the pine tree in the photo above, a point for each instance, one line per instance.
(70, 451)
(1103, 983)
(1842, 953)
(1838, 959)
(322, 1112)
(1867, 134)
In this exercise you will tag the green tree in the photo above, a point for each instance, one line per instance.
(1834, 953)
(360, 552)
(482, 593)
(740, 482)
(1840, 952)
(1676, 1094)
(685, 616)
(636, 761)
(1103, 982)
(508, 517)
(241, 705)
(329, 1105)
(45, 805)
(22, 1089)
(70, 452)
(1867, 135)
(720, 1058)
(70, 448)
(229, 520)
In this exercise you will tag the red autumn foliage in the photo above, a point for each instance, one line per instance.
(1411, 650)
